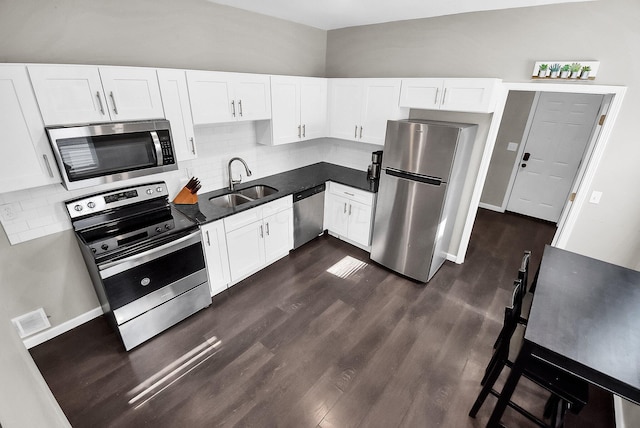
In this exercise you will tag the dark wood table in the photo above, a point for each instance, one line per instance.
(585, 319)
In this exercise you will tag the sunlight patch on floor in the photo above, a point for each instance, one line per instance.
(163, 379)
(346, 267)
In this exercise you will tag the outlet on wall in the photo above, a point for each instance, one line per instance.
(7, 212)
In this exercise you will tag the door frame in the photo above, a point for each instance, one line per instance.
(566, 225)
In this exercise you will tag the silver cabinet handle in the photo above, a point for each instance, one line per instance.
(345, 208)
(355, 133)
(193, 146)
(208, 240)
(361, 132)
(347, 193)
(113, 99)
(233, 107)
(46, 162)
(267, 229)
(349, 209)
(261, 232)
(100, 102)
(240, 107)
(304, 131)
(436, 100)
(444, 96)
(299, 127)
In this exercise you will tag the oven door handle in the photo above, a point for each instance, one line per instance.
(117, 266)
(158, 147)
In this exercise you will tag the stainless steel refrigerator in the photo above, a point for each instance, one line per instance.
(423, 173)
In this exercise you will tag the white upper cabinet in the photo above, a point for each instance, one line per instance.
(175, 99)
(469, 95)
(359, 108)
(69, 94)
(218, 97)
(298, 110)
(26, 159)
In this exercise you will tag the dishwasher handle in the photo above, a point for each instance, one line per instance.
(309, 192)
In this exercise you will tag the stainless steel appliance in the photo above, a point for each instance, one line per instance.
(88, 155)
(423, 173)
(145, 259)
(308, 209)
(373, 172)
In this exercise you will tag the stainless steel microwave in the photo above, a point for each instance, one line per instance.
(88, 155)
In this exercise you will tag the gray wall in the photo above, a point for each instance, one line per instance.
(514, 121)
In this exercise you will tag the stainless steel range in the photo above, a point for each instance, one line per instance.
(144, 257)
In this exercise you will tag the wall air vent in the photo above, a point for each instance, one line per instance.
(31, 322)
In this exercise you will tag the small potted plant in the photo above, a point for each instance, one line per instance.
(564, 71)
(554, 69)
(575, 70)
(542, 71)
(585, 72)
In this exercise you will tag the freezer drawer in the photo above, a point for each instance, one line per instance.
(407, 225)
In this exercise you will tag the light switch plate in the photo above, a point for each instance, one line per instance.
(512, 147)
(595, 197)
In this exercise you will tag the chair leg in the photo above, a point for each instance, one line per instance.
(550, 406)
(492, 377)
(490, 367)
(557, 418)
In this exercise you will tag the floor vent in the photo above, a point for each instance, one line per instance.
(31, 323)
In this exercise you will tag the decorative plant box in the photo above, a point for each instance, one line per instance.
(568, 70)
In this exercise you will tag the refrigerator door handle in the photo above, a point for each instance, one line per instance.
(414, 177)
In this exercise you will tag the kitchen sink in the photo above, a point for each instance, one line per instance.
(243, 196)
(257, 192)
(230, 200)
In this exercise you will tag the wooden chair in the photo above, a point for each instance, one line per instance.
(567, 392)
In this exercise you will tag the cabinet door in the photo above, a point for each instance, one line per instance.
(69, 94)
(278, 235)
(252, 93)
(421, 93)
(245, 247)
(336, 217)
(285, 110)
(215, 252)
(359, 223)
(211, 96)
(313, 107)
(132, 93)
(175, 99)
(26, 159)
(345, 105)
(380, 103)
(473, 95)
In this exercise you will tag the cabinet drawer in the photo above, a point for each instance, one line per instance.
(277, 206)
(351, 193)
(242, 219)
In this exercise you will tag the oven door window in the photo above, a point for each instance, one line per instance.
(88, 157)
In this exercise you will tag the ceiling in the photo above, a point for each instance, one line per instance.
(333, 14)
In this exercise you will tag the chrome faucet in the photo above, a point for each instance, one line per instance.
(233, 182)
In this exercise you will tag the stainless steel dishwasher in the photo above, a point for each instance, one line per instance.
(308, 215)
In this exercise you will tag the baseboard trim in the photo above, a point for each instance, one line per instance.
(57, 330)
(452, 258)
(491, 207)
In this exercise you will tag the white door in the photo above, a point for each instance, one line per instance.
(252, 96)
(245, 247)
(210, 95)
(215, 253)
(359, 223)
(381, 98)
(423, 93)
(336, 217)
(132, 93)
(69, 94)
(345, 106)
(560, 131)
(175, 99)
(313, 107)
(285, 110)
(278, 235)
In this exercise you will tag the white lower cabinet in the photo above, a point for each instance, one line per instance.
(214, 241)
(258, 237)
(349, 214)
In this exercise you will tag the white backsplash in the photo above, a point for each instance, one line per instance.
(33, 213)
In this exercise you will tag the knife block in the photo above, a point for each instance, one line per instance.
(185, 197)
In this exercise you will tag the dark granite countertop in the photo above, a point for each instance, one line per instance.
(287, 183)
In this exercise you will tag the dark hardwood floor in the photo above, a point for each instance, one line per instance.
(297, 346)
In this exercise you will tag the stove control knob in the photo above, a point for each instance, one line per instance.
(159, 189)
(158, 229)
(105, 247)
(91, 204)
(93, 250)
(149, 191)
(78, 208)
(167, 226)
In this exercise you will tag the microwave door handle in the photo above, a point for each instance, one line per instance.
(156, 144)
